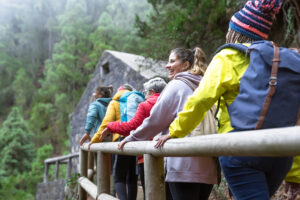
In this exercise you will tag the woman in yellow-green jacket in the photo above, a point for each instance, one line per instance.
(247, 177)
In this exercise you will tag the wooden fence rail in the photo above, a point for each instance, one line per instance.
(67, 159)
(267, 142)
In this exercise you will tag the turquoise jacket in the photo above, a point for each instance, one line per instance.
(95, 114)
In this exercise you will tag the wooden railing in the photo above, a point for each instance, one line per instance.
(267, 142)
(67, 159)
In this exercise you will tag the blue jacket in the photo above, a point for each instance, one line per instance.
(95, 114)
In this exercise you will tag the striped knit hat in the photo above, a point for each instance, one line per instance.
(255, 19)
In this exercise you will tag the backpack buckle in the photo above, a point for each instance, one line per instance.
(273, 80)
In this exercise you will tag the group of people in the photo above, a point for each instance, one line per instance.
(174, 109)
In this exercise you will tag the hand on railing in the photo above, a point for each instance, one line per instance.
(161, 141)
(89, 146)
(104, 133)
(121, 144)
(84, 138)
(292, 189)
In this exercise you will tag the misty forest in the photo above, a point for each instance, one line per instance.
(50, 48)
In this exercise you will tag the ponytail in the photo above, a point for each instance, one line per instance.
(200, 65)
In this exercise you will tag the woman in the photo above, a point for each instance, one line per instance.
(186, 177)
(96, 111)
(152, 90)
(124, 167)
(247, 177)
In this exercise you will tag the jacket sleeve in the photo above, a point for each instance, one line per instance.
(294, 173)
(162, 114)
(218, 79)
(124, 128)
(91, 118)
(109, 117)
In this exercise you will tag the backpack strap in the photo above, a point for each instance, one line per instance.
(236, 46)
(239, 47)
(272, 87)
(298, 118)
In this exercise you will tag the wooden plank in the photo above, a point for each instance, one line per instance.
(154, 178)
(88, 186)
(56, 171)
(91, 189)
(69, 168)
(83, 172)
(103, 173)
(46, 170)
(60, 158)
(266, 142)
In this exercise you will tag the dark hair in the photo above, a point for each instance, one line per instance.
(105, 91)
(195, 57)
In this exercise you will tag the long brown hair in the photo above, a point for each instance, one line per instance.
(105, 91)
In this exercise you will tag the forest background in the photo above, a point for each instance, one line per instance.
(50, 48)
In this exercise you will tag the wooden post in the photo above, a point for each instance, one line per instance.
(69, 168)
(154, 177)
(103, 173)
(91, 160)
(46, 173)
(83, 172)
(56, 170)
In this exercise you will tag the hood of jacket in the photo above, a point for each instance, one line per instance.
(119, 94)
(104, 101)
(191, 78)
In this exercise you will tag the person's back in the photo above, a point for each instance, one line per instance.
(247, 177)
(96, 111)
(186, 177)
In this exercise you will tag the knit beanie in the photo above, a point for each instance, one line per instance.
(255, 19)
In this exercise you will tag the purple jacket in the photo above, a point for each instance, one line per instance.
(168, 105)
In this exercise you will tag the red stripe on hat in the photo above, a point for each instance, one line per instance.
(266, 27)
(247, 27)
(260, 18)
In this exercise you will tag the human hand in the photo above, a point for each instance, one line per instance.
(121, 145)
(89, 146)
(161, 141)
(104, 133)
(292, 189)
(84, 138)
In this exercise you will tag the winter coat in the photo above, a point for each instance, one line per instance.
(294, 174)
(143, 111)
(170, 102)
(112, 114)
(221, 79)
(95, 115)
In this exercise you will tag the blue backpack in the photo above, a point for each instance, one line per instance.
(129, 101)
(269, 89)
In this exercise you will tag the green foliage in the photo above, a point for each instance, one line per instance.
(13, 187)
(16, 145)
(186, 24)
(50, 48)
(9, 189)
(72, 187)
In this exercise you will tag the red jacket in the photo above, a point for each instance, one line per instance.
(143, 111)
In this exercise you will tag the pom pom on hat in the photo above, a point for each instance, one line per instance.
(255, 19)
